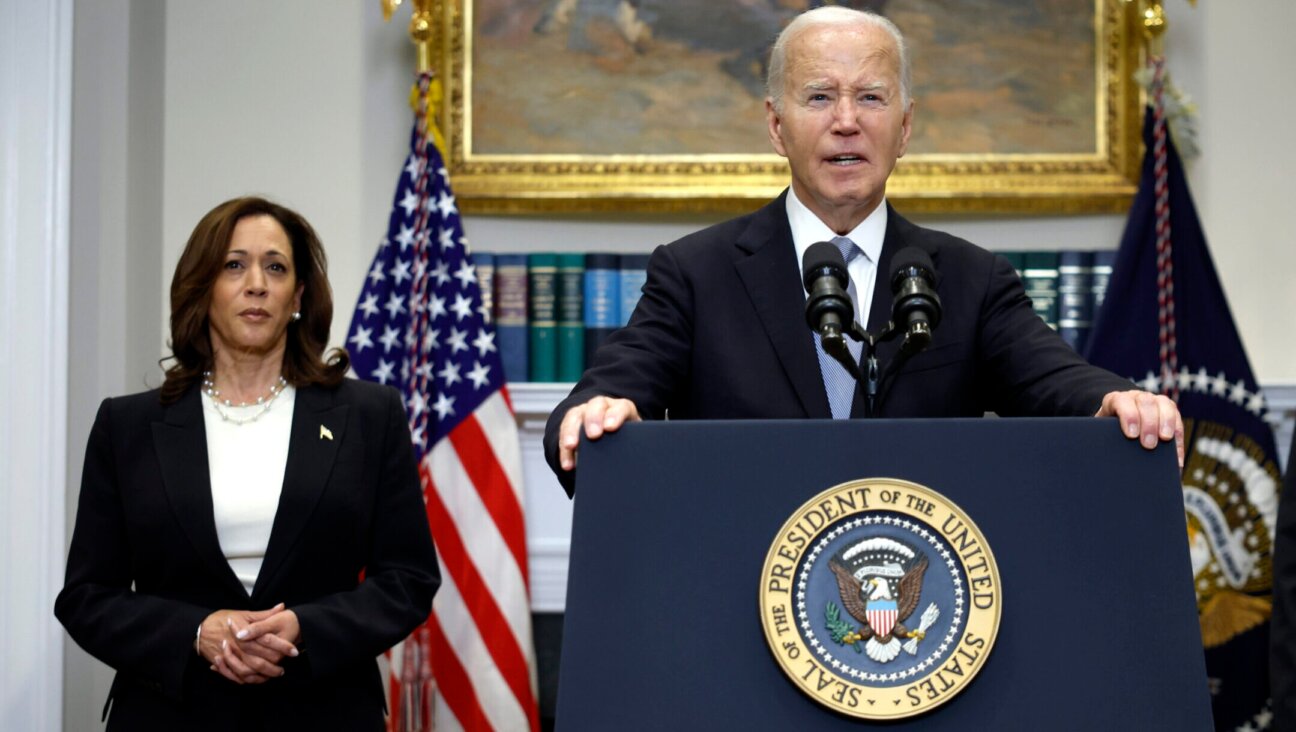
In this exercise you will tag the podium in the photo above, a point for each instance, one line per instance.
(673, 522)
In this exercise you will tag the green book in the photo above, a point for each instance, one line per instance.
(571, 316)
(542, 292)
(1040, 276)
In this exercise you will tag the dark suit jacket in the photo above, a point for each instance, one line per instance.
(720, 333)
(349, 504)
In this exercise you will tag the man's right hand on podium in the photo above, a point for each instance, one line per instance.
(598, 415)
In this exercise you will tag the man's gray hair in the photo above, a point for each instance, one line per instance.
(830, 15)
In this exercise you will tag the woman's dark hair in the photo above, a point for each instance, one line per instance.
(191, 289)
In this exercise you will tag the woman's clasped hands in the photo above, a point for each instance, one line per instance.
(247, 647)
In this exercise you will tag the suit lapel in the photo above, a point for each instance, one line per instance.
(772, 279)
(180, 442)
(900, 233)
(318, 428)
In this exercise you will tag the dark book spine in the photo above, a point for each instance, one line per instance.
(1016, 259)
(1040, 276)
(542, 291)
(602, 300)
(571, 316)
(484, 264)
(634, 273)
(1103, 260)
(1075, 297)
(511, 314)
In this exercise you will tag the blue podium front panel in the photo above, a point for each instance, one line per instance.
(673, 522)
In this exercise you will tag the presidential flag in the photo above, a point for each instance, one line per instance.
(420, 326)
(1165, 323)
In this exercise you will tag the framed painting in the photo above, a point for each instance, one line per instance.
(658, 105)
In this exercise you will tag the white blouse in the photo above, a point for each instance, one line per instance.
(247, 463)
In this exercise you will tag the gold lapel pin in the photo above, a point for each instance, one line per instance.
(325, 434)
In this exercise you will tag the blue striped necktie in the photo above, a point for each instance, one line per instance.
(838, 382)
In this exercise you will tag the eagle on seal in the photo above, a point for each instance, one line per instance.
(870, 597)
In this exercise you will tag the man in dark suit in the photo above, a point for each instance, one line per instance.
(720, 333)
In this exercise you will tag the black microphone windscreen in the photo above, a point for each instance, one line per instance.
(819, 256)
(907, 259)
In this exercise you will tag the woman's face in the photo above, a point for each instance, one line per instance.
(256, 291)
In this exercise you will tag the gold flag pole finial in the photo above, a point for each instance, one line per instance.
(420, 32)
(420, 29)
(1153, 19)
(1154, 27)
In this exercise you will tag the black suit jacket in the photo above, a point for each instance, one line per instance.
(145, 566)
(720, 333)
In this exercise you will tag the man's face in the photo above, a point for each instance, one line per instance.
(842, 123)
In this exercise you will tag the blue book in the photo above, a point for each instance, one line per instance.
(602, 300)
(511, 314)
(634, 273)
(1075, 297)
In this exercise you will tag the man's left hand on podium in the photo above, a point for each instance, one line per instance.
(1149, 418)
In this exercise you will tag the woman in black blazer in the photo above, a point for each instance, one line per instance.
(252, 535)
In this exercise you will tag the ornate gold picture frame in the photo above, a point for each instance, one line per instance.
(640, 106)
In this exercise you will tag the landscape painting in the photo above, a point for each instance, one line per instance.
(665, 95)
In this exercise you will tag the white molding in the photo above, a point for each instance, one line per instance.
(548, 555)
(35, 154)
(548, 558)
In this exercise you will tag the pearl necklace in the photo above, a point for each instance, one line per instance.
(209, 387)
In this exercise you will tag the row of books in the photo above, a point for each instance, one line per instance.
(552, 311)
(1066, 288)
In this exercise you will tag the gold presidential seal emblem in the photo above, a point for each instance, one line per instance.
(880, 599)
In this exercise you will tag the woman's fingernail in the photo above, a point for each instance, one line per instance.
(241, 634)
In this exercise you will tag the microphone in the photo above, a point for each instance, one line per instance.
(829, 310)
(916, 308)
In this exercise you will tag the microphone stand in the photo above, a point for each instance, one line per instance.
(834, 345)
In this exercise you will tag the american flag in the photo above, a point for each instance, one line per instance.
(420, 326)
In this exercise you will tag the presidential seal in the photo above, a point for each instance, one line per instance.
(880, 599)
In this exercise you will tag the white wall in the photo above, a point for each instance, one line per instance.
(1243, 82)
(185, 103)
(35, 166)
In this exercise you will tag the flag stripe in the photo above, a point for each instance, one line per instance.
(453, 682)
(500, 428)
(462, 631)
(477, 598)
(484, 472)
(483, 546)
